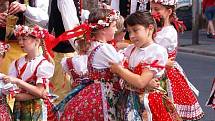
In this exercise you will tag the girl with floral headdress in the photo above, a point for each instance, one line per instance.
(142, 98)
(179, 89)
(5, 112)
(97, 100)
(31, 74)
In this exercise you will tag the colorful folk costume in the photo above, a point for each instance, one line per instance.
(145, 104)
(179, 89)
(35, 71)
(211, 100)
(5, 112)
(96, 101)
(76, 67)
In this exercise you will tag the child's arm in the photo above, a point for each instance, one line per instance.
(23, 97)
(139, 81)
(34, 90)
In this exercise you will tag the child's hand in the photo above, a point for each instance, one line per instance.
(154, 83)
(8, 79)
(114, 67)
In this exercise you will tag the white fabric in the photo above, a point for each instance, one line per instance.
(147, 55)
(69, 13)
(167, 38)
(79, 63)
(146, 105)
(44, 71)
(84, 15)
(39, 13)
(69, 16)
(106, 53)
(133, 6)
(1, 81)
(115, 4)
(167, 2)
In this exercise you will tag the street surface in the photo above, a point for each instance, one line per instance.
(200, 70)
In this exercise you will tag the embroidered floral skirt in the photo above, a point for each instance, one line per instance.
(94, 103)
(5, 112)
(34, 110)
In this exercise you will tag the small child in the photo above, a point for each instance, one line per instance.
(5, 112)
(142, 99)
(179, 89)
(31, 74)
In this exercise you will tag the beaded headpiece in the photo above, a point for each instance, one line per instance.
(36, 31)
(166, 2)
(105, 22)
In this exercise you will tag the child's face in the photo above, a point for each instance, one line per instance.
(28, 44)
(139, 35)
(110, 31)
(161, 10)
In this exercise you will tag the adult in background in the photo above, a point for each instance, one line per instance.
(208, 7)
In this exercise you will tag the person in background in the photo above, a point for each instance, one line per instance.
(174, 81)
(208, 8)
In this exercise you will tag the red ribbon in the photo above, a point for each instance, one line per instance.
(83, 29)
(179, 25)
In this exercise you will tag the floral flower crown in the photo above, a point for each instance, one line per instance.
(166, 2)
(4, 47)
(36, 31)
(105, 22)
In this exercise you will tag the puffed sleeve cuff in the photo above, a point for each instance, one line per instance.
(157, 63)
(44, 72)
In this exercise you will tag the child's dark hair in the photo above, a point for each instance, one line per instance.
(140, 18)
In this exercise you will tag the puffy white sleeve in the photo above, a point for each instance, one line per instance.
(38, 14)
(168, 38)
(157, 61)
(12, 70)
(107, 53)
(69, 13)
(127, 51)
(44, 72)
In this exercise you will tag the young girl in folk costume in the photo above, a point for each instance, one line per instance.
(31, 73)
(211, 100)
(5, 112)
(96, 101)
(143, 100)
(76, 67)
(180, 90)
